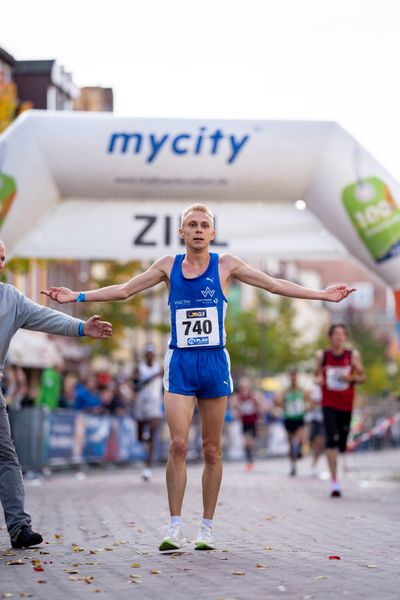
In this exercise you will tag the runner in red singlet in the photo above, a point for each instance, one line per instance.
(337, 370)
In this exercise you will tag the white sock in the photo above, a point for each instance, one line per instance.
(176, 520)
(207, 522)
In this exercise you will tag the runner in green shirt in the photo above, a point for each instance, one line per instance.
(294, 401)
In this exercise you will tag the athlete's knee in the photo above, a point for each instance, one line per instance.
(212, 453)
(178, 448)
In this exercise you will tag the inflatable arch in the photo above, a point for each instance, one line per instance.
(90, 185)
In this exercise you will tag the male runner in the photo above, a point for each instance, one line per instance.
(293, 401)
(337, 370)
(148, 403)
(247, 405)
(196, 363)
(17, 312)
(316, 433)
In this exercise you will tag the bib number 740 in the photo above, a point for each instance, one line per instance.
(197, 327)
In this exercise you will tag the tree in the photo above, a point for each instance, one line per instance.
(374, 349)
(265, 337)
(123, 315)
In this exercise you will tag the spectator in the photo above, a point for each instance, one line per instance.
(51, 386)
(87, 397)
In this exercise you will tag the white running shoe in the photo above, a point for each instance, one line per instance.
(314, 473)
(173, 540)
(146, 474)
(205, 539)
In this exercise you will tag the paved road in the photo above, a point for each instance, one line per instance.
(274, 535)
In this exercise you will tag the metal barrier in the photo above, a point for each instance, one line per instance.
(374, 441)
(28, 432)
(66, 438)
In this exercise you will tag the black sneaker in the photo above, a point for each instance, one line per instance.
(26, 538)
(336, 493)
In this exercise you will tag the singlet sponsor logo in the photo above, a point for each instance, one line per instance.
(181, 302)
(208, 292)
(198, 341)
(193, 314)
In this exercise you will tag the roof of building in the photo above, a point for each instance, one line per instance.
(33, 67)
(6, 57)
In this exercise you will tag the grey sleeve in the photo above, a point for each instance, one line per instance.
(41, 318)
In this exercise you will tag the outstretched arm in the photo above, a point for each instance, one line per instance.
(155, 274)
(30, 315)
(243, 272)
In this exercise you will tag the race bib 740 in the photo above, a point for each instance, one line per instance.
(197, 327)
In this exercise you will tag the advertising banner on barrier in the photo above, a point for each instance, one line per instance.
(78, 437)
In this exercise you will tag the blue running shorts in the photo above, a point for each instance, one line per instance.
(198, 372)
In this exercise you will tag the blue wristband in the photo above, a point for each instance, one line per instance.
(81, 330)
(81, 297)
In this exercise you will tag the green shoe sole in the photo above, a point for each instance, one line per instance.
(168, 544)
(203, 546)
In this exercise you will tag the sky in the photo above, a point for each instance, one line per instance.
(246, 59)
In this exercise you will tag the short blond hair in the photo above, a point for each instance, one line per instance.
(200, 207)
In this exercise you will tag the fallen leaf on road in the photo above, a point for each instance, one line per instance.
(44, 552)
(238, 573)
(135, 565)
(321, 577)
(77, 548)
(268, 548)
(72, 571)
(42, 580)
(281, 588)
(155, 572)
(120, 542)
(58, 536)
(270, 518)
(334, 557)
(38, 569)
(108, 549)
(9, 553)
(6, 595)
(92, 551)
(26, 595)
(187, 569)
(260, 566)
(36, 562)
(18, 561)
(371, 566)
(96, 590)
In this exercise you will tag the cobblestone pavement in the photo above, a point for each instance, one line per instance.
(275, 535)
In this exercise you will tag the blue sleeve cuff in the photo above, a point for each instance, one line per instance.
(81, 331)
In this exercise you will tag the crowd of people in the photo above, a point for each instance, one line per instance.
(139, 396)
